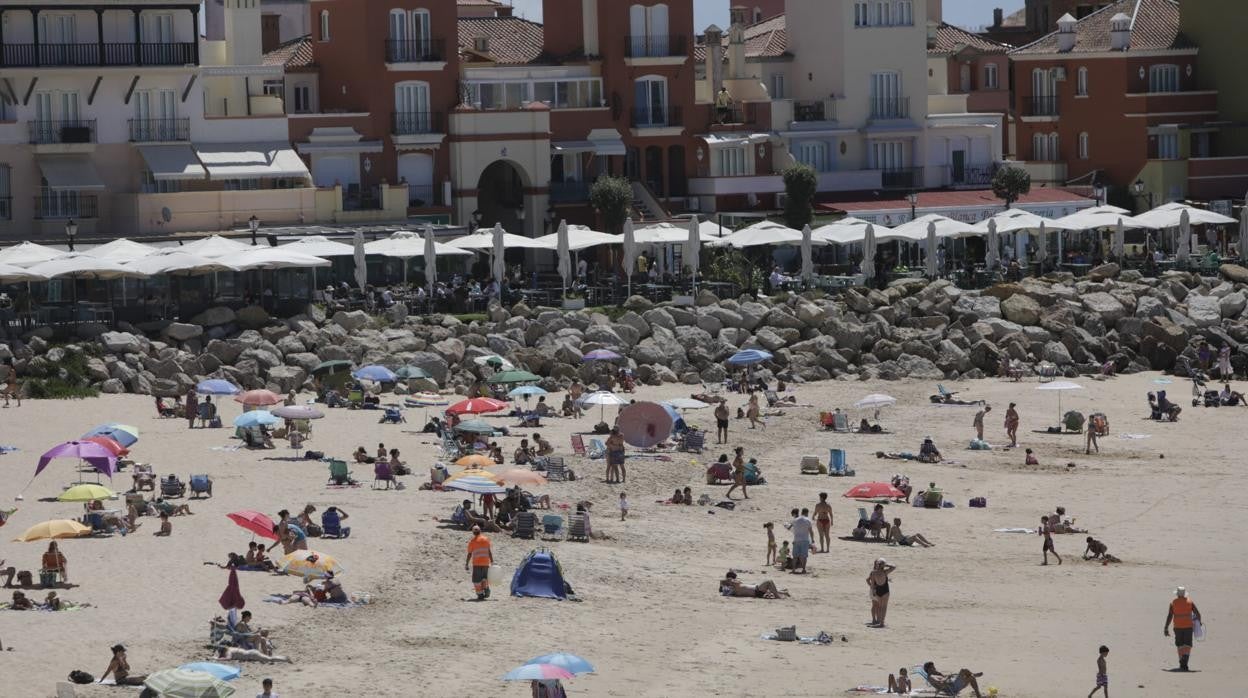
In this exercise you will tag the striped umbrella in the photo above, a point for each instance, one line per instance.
(309, 563)
(180, 683)
(475, 482)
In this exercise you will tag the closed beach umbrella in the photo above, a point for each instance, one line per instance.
(992, 257)
(748, 357)
(179, 683)
(630, 252)
(256, 418)
(86, 493)
(499, 262)
(514, 376)
(232, 597)
(477, 405)
(1042, 244)
(225, 672)
(375, 373)
(123, 434)
(254, 521)
(874, 490)
(297, 412)
(93, 454)
(932, 270)
(538, 672)
(1120, 238)
(563, 246)
(808, 262)
(217, 386)
(361, 265)
(56, 529)
(1185, 238)
(693, 249)
(309, 563)
(868, 254)
(645, 424)
(431, 260)
(258, 398)
(571, 662)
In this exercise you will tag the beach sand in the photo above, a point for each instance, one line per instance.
(650, 618)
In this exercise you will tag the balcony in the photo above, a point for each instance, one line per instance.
(651, 117)
(423, 195)
(804, 112)
(1040, 106)
(970, 175)
(98, 55)
(901, 178)
(655, 46)
(415, 51)
(569, 192)
(890, 108)
(414, 123)
(159, 130)
(737, 114)
(65, 205)
(62, 131)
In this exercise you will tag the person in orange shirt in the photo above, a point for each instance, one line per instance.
(1185, 615)
(480, 557)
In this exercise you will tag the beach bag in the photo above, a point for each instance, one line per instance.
(787, 634)
(47, 578)
(79, 676)
(313, 455)
(978, 502)
(859, 533)
(214, 423)
(979, 445)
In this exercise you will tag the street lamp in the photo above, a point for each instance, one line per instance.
(913, 198)
(476, 220)
(71, 232)
(1101, 194)
(1139, 189)
(254, 224)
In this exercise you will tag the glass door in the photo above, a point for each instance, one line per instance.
(411, 107)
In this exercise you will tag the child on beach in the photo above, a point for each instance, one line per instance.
(623, 506)
(900, 684)
(1046, 530)
(1031, 458)
(771, 543)
(166, 526)
(782, 557)
(1102, 675)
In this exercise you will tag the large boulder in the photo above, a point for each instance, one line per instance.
(121, 343)
(636, 322)
(1204, 310)
(450, 349)
(181, 331)
(253, 317)
(434, 364)
(1104, 305)
(1235, 273)
(1233, 304)
(287, 378)
(214, 317)
(1103, 272)
(978, 307)
(1021, 309)
(351, 320)
(658, 317)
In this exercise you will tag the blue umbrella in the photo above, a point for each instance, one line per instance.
(525, 391)
(224, 672)
(375, 373)
(116, 432)
(748, 357)
(256, 418)
(217, 386)
(571, 662)
(677, 421)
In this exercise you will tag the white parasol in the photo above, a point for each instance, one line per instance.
(808, 262)
(1060, 387)
(361, 266)
(630, 252)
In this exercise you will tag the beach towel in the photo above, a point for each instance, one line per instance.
(862, 540)
(1135, 436)
(279, 598)
(8, 449)
(1028, 531)
(821, 639)
(234, 447)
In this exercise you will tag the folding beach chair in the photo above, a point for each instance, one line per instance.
(693, 441)
(840, 422)
(382, 473)
(556, 469)
(526, 525)
(576, 528)
(837, 464)
(172, 487)
(338, 473)
(200, 484)
(772, 398)
(578, 445)
(811, 465)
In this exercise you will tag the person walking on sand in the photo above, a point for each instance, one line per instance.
(1011, 425)
(738, 473)
(802, 527)
(1184, 614)
(823, 521)
(1091, 444)
(979, 422)
(1046, 530)
(480, 557)
(721, 422)
(192, 408)
(1102, 673)
(623, 506)
(878, 581)
(752, 411)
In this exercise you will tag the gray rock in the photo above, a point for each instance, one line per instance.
(978, 307)
(769, 339)
(1234, 272)
(214, 317)
(397, 313)
(638, 304)
(605, 336)
(659, 317)
(287, 378)
(351, 321)
(253, 317)
(112, 386)
(734, 336)
(1057, 353)
(434, 364)
(1103, 272)
(1149, 307)
(1232, 304)
(706, 298)
(752, 314)
(638, 323)
(450, 349)
(726, 317)
(1021, 309)
(1104, 305)
(1204, 311)
(709, 323)
(919, 368)
(780, 318)
(121, 342)
(304, 360)
(181, 331)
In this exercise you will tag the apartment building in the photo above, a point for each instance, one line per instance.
(1114, 99)
(110, 118)
(962, 63)
(1037, 18)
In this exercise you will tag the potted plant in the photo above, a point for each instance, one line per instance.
(573, 300)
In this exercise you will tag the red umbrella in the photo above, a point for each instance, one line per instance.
(110, 444)
(477, 405)
(254, 521)
(258, 398)
(874, 490)
(232, 597)
(644, 424)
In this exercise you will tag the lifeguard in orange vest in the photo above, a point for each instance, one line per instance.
(1185, 615)
(480, 557)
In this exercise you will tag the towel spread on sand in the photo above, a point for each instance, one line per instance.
(1013, 530)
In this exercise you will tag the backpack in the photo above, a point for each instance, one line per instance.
(79, 676)
(979, 502)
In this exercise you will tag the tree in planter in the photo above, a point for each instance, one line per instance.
(800, 185)
(1010, 183)
(612, 197)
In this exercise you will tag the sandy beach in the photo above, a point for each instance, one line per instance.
(650, 618)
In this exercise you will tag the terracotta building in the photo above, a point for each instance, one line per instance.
(1113, 99)
(973, 66)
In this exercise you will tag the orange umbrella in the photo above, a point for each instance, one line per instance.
(110, 444)
(475, 460)
(516, 476)
(258, 398)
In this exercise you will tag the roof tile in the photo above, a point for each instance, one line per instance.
(951, 39)
(1154, 27)
(513, 41)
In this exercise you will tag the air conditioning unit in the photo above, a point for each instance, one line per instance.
(1059, 74)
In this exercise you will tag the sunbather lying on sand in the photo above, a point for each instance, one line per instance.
(239, 654)
(729, 586)
(955, 683)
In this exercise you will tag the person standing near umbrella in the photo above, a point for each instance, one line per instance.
(480, 557)
(721, 422)
(1184, 614)
(615, 456)
(1011, 425)
(192, 407)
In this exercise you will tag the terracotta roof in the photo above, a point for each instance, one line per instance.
(490, 3)
(855, 201)
(296, 53)
(1154, 27)
(767, 38)
(951, 39)
(512, 40)
(1018, 18)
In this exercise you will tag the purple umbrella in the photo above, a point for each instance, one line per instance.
(94, 454)
(601, 355)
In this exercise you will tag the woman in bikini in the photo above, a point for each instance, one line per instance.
(878, 581)
(615, 456)
(730, 586)
(120, 669)
(823, 521)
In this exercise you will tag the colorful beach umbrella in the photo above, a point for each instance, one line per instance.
(94, 454)
(217, 386)
(179, 683)
(297, 412)
(309, 563)
(645, 424)
(256, 418)
(107, 442)
(874, 490)
(749, 357)
(475, 482)
(86, 493)
(427, 400)
(477, 405)
(570, 662)
(475, 426)
(537, 672)
(58, 528)
(225, 672)
(258, 398)
(516, 476)
(475, 460)
(254, 521)
(513, 376)
(123, 434)
(375, 373)
(601, 355)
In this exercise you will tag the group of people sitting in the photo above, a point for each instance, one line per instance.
(53, 571)
(497, 513)
(1162, 409)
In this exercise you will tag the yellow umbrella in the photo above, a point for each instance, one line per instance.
(59, 528)
(86, 493)
(517, 476)
(309, 563)
(476, 461)
(472, 472)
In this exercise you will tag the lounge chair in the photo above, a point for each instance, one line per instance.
(382, 473)
(331, 526)
(840, 422)
(338, 473)
(576, 528)
(1046, 371)
(837, 464)
(941, 690)
(172, 487)
(200, 484)
(578, 445)
(136, 500)
(773, 398)
(811, 465)
(597, 449)
(556, 469)
(355, 399)
(525, 525)
(552, 527)
(392, 415)
(144, 478)
(693, 441)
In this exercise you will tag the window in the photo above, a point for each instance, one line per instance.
(886, 100)
(1163, 78)
(58, 28)
(1083, 146)
(860, 14)
(777, 86)
(884, 13)
(650, 101)
(6, 195)
(990, 76)
(1167, 146)
(1044, 147)
(574, 93)
(905, 12)
(732, 162)
(814, 154)
(1081, 83)
(648, 31)
(324, 25)
(150, 185)
(275, 88)
(888, 155)
(410, 36)
(241, 184)
(411, 108)
(303, 99)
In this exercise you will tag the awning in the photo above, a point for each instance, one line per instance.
(170, 163)
(70, 173)
(607, 141)
(251, 160)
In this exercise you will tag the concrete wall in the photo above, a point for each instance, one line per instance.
(1216, 26)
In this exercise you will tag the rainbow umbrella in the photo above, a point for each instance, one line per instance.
(123, 434)
(475, 482)
(537, 672)
(58, 528)
(426, 400)
(309, 563)
(571, 662)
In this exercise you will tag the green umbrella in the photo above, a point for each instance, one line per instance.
(179, 683)
(475, 426)
(513, 377)
(410, 372)
(329, 367)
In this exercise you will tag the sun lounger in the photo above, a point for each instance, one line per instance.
(382, 473)
(200, 484)
(331, 526)
(144, 478)
(526, 525)
(172, 487)
(552, 527)
(953, 690)
(556, 469)
(578, 445)
(837, 463)
(811, 466)
(840, 422)
(338, 473)
(576, 528)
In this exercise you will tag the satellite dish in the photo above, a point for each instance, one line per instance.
(166, 214)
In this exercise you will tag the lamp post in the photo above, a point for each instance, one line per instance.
(1141, 191)
(913, 198)
(71, 232)
(254, 224)
(476, 220)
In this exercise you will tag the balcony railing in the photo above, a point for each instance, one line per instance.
(159, 130)
(738, 113)
(980, 175)
(650, 117)
(901, 178)
(569, 192)
(96, 54)
(6, 208)
(66, 204)
(1040, 106)
(890, 107)
(423, 195)
(410, 123)
(810, 111)
(415, 50)
(62, 131)
(654, 46)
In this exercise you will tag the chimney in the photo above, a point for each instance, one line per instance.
(1119, 32)
(998, 18)
(738, 15)
(715, 58)
(736, 52)
(1066, 33)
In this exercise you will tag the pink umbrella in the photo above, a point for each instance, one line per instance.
(256, 398)
(537, 672)
(232, 597)
(254, 521)
(94, 454)
(645, 424)
(477, 405)
(874, 490)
